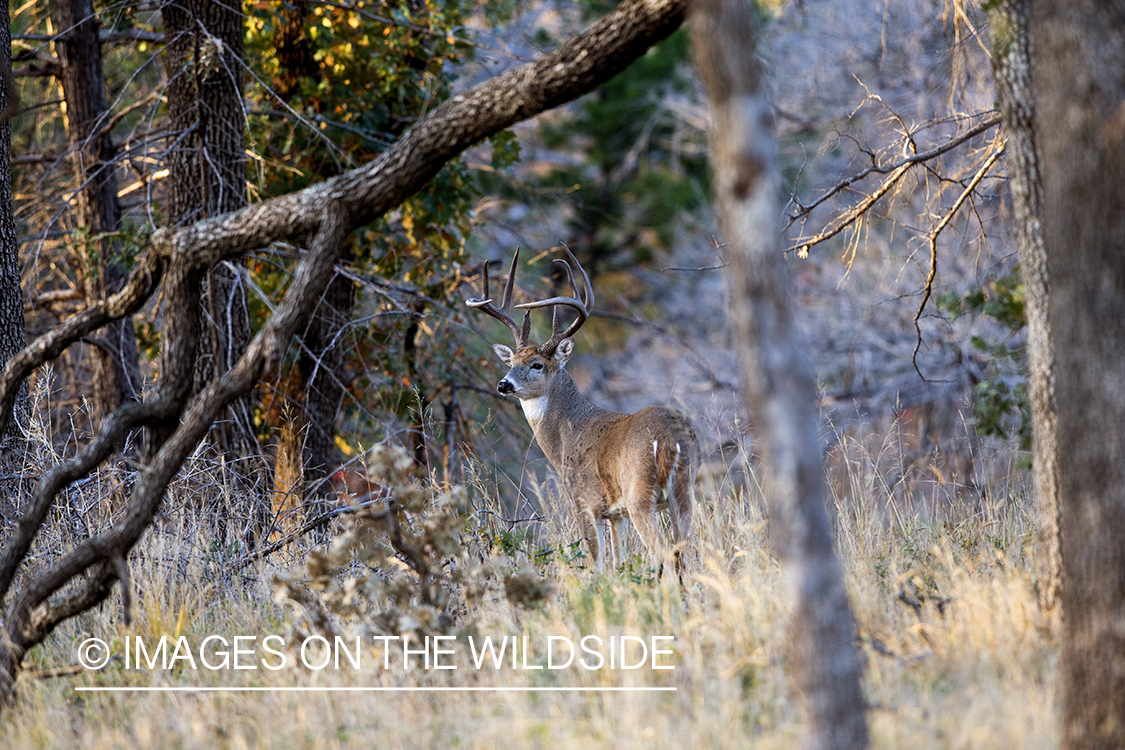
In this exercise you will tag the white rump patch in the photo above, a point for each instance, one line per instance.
(534, 409)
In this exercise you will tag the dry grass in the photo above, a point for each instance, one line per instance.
(957, 654)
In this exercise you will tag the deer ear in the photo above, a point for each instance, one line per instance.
(505, 353)
(564, 350)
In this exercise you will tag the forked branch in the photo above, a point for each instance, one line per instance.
(932, 238)
(895, 172)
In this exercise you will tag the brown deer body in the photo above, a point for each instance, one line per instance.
(614, 467)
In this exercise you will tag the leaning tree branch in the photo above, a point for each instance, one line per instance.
(265, 350)
(112, 435)
(322, 520)
(142, 283)
(894, 173)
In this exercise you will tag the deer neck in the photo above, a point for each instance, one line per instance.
(559, 418)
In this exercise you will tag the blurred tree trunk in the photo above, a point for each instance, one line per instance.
(1080, 79)
(115, 373)
(311, 394)
(207, 177)
(12, 337)
(1011, 65)
(778, 386)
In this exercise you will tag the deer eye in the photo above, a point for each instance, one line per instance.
(536, 365)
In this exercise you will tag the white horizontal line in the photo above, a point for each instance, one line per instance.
(172, 689)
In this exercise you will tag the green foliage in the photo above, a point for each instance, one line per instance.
(995, 403)
(505, 149)
(1002, 300)
(1000, 406)
(345, 82)
(634, 166)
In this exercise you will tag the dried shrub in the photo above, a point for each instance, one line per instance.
(409, 560)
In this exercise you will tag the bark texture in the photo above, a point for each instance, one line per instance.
(1080, 79)
(778, 385)
(115, 373)
(11, 299)
(1011, 64)
(177, 262)
(207, 177)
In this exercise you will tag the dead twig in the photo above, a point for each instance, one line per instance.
(928, 292)
(894, 173)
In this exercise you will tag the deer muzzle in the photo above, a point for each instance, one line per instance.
(505, 386)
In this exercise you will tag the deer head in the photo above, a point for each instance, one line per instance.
(532, 367)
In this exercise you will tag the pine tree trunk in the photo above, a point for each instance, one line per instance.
(778, 386)
(1011, 65)
(115, 373)
(1080, 79)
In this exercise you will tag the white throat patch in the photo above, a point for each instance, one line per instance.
(534, 409)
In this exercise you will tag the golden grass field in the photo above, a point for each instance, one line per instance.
(957, 653)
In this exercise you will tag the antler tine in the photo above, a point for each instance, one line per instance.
(503, 313)
(579, 306)
(588, 295)
(526, 330)
(507, 300)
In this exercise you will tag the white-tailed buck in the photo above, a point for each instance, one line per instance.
(613, 466)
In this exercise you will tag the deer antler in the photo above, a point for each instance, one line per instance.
(582, 307)
(501, 313)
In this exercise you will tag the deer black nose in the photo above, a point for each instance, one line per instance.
(505, 386)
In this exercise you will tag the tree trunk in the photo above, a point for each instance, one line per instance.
(115, 373)
(12, 337)
(1011, 65)
(321, 369)
(206, 178)
(312, 393)
(1080, 77)
(778, 387)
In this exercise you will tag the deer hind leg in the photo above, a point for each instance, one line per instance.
(595, 540)
(644, 518)
(680, 502)
(683, 536)
(619, 528)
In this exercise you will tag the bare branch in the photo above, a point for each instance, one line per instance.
(984, 169)
(894, 171)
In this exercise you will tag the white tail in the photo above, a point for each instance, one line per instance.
(613, 466)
